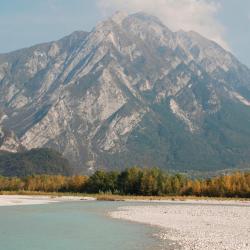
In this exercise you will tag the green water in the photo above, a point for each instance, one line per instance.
(72, 226)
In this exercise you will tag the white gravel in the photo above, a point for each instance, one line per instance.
(14, 200)
(222, 226)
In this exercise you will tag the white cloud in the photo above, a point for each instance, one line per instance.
(197, 15)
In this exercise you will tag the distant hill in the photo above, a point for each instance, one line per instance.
(33, 162)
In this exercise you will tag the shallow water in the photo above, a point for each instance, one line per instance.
(72, 226)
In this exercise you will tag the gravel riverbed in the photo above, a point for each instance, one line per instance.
(203, 226)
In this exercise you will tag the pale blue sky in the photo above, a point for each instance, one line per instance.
(26, 22)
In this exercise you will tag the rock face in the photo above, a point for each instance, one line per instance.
(131, 91)
(9, 142)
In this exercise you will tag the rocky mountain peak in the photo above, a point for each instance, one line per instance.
(129, 92)
(147, 18)
(119, 16)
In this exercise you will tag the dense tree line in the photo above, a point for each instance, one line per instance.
(134, 181)
(44, 183)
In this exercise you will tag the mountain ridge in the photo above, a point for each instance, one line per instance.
(130, 87)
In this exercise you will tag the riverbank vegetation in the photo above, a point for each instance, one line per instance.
(133, 181)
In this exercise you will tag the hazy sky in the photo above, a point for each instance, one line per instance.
(27, 22)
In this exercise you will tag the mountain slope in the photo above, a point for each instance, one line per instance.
(33, 162)
(131, 91)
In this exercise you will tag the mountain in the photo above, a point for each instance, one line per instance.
(130, 92)
(33, 162)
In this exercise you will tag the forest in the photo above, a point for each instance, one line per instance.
(40, 161)
(134, 181)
